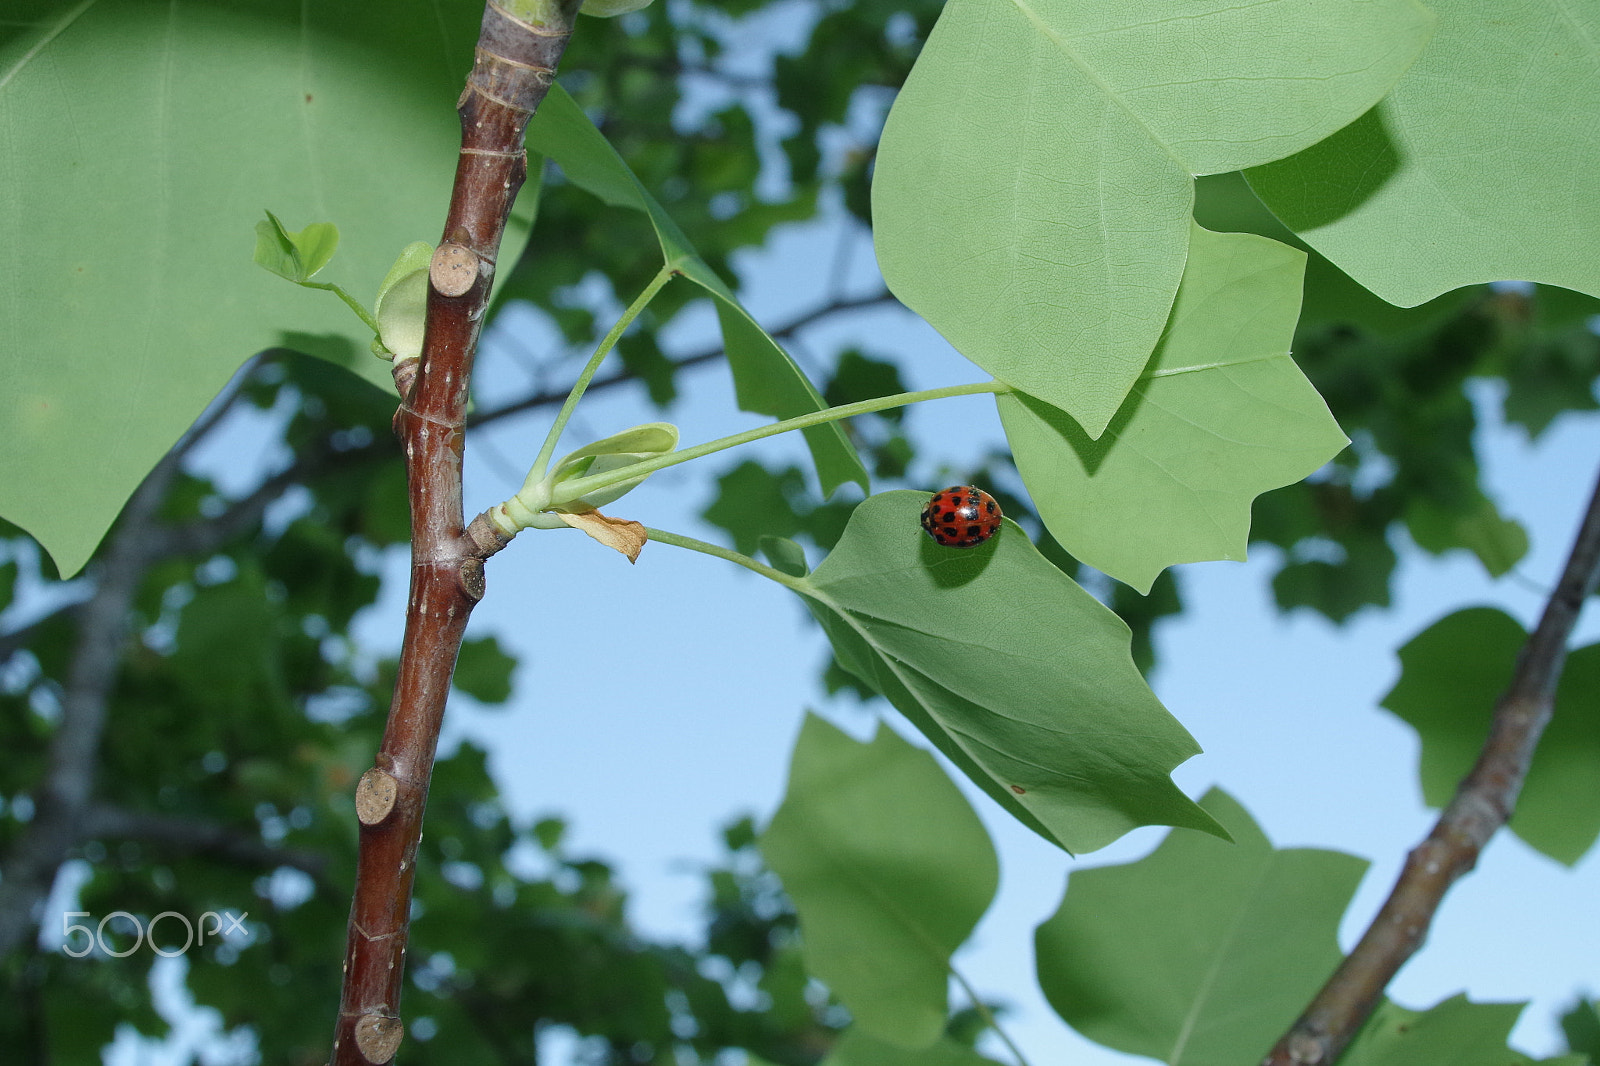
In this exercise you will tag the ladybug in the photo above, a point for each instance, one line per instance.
(962, 516)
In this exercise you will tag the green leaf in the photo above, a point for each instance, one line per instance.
(767, 380)
(141, 300)
(1220, 415)
(857, 1048)
(1453, 1033)
(1497, 541)
(296, 256)
(1432, 190)
(889, 870)
(1451, 674)
(1201, 953)
(1581, 1027)
(1017, 675)
(1032, 192)
(615, 452)
(483, 670)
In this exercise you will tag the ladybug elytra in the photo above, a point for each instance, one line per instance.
(962, 516)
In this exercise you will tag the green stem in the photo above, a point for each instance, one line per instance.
(571, 490)
(678, 541)
(537, 473)
(355, 305)
(987, 1015)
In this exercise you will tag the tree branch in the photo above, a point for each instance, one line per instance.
(1482, 804)
(191, 835)
(519, 47)
(64, 795)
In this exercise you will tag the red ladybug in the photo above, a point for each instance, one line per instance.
(962, 516)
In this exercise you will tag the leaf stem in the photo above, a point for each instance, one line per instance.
(986, 1014)
(706, 548)
(663, 276)
(355, 305)
(571, 490)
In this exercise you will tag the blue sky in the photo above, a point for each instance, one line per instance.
(656, 702)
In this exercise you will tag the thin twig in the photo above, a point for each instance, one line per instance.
(1482, 804)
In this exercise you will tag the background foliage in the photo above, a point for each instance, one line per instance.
(238, 711)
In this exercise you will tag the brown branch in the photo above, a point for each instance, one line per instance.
(1482, 804)
(514, 67)
(63, 797)
(193, 836)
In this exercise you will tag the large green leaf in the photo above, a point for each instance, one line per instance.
(1201, 953)
(1479, 166)
(1019, 676)
(889, 870)
(154, 135)
(767, 380)
(1450, 676)
(1033, 185)
(1220, 415)
(1456, 1032)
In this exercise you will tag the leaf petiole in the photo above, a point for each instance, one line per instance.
(537, 472)
(728, 554)
(355, 305)
(571, 490)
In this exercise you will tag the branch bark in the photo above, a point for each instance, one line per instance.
(515, 64)
(1482, 804)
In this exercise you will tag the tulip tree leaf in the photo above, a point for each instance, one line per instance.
(296, 256)
(767, 380)
(1201, 953)
(889, 870)
(140, 298)
(1033, 185)
(1013, 671)
(1220, 415)
(1450, 676)
(1456, 1032)
(1432, 190)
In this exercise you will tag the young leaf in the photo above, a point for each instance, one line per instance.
(1019, 676)
(296, 256)
(1220, 415)
(1454, 1033)
(767, 380)
(1033, 184)
(1431, 190)
(1201, 953)
(1450, 675)
(889, 870)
